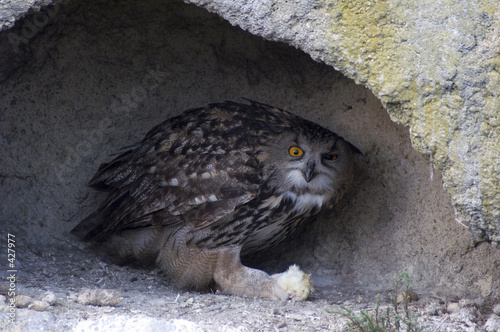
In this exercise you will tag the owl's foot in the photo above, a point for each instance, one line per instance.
(295, 282)
(232, 277)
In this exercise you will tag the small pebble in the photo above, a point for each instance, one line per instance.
(411, 295)
(99, 297)
(23, 301)
(492, 324)
(453, 307)
(39, 305)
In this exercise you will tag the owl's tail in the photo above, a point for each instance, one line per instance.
(136, 247)
(89, 228)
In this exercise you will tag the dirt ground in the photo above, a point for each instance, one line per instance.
(53, 287)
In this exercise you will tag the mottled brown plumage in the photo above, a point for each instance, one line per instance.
(213, 183)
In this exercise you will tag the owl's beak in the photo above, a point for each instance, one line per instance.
(311, 165)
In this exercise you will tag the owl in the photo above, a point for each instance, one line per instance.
(213, 184)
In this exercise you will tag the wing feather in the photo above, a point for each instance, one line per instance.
(174, 175)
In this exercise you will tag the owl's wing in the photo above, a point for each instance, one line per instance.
(164, 181)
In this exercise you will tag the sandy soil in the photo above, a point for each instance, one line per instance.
(54, 285)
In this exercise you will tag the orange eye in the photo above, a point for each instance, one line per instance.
(331, 157)
(295, 151)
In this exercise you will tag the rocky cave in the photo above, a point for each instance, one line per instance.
(413, 84)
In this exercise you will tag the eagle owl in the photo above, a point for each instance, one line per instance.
(214, 183)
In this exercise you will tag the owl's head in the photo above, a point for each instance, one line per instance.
(311, 167)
